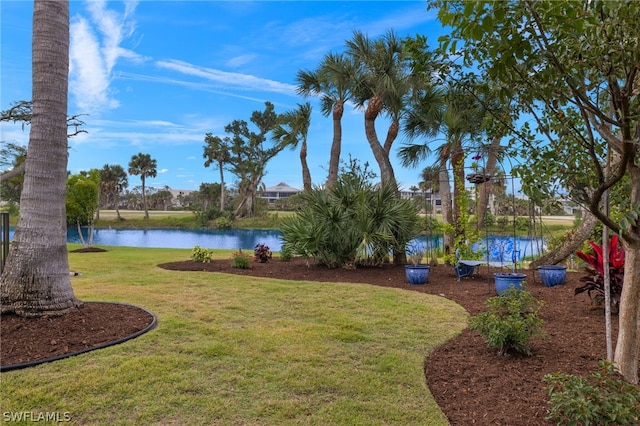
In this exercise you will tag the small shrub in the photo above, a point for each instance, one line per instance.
(286, 254)
(502, 222)
(201, 255)
(262, 253)
(603, 398)
(240, 260)
(511, 322)
(223, 222)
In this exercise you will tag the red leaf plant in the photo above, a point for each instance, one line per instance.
(594, 283)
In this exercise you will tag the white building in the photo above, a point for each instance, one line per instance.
(278, 192)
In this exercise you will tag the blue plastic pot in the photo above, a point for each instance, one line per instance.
(417, 274)
(552, 275)
(505, 280)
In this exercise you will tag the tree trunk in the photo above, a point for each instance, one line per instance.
(628, 344)
(221, 186)
(80, 233)
(457, 162)
(144, 198)
(445, 205)
(571, 243)
(486, 188)
(382, 158)
(17, 170)
(336, 145)
(117, 202)
(306, 175)
(35, 280)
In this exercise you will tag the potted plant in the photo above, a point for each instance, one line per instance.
(416, 272)
(506, 280)
(552, 275)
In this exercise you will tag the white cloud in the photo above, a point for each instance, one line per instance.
(163, 171)
(229, 80)
(240, 60)
(94, 51)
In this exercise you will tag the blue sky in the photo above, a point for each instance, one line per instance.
(156, 76)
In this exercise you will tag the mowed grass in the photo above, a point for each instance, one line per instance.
(235, 350)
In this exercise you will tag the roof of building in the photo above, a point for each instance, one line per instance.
(281, 187)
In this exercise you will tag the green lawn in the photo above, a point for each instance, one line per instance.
(233, 350)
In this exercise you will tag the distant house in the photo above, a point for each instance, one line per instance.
(278, 192)
(178, 196)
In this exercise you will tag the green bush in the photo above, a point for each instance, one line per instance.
(511, 322)
(223, 222)
(603, 398)
(353, 223)
(241, 260)
(201, 255)
(502, 222)
(285, 253)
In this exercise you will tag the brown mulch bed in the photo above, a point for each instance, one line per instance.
(470, 382)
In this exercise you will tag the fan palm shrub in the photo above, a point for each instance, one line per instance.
(351, 224)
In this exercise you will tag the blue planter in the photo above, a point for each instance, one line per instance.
(417, 274)
(505, 280)
(552, 275)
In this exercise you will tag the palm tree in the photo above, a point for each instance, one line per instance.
(460, 122)
(217, 150)
(145, 166)
(292, 130)
(35, 280)
(113, 181)
(332, 81)
(383, 85)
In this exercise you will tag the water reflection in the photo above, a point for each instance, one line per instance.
(501, 248)
(245, 239)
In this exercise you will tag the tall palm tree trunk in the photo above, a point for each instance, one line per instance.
(486, 188)
(445, 204)
(387, 175)
(144, 198)
(336, 145)
(35, 280)
(306, 174)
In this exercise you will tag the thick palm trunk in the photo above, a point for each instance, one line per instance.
(35, 280)
(306, 175)
(336, 145)
(387, 175)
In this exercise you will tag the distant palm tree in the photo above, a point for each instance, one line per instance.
(217, 150)
(292, 130)
(113, 181)
(332, 81)
(145, 166)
